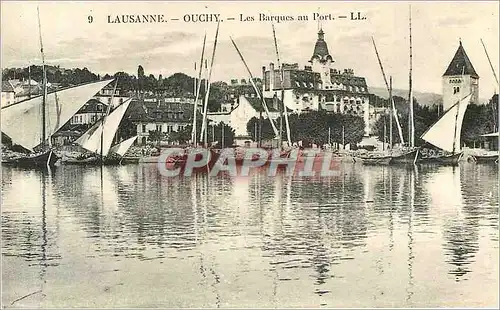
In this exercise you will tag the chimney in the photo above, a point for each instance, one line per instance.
(263, 78)
(271, 76)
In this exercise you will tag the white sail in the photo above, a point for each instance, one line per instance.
(91, 139)
(122, 148)
(445, 133)
(22, 121)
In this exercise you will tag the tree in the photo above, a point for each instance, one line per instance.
(140, 78)
(156, 136)
(215, 134)
(313, 127)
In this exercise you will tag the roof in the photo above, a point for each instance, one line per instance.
(321, 48)
(67, 133)
(461, 64)
(348, 80)
(7, 87)
(141, 111)
(256, 103)
(28, 90)
(93, 106)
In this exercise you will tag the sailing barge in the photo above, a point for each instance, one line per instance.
(98, 141)
(30, 123)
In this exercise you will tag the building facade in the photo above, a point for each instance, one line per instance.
(8, 93)
(164, 117)
(91, 111)
(319, 86)
(106, 96)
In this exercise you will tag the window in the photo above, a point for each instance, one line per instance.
(143, 128)
(456, 89)
(158, 127)
(121, 100)
(109, 100)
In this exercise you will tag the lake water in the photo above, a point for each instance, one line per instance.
(369, 237)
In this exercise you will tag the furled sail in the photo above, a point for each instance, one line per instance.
(122, 148)
(22, 121)
(91, 139)
(445, 133)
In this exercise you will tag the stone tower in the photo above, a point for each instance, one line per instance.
(321, 60)
(460, 79)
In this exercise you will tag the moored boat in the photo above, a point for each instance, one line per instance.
(98, 141)
(485, 158)
(34, 160)
(444, 159)
(373, 160)
(445, 135)
(26, 125)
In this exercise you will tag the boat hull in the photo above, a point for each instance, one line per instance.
(48, 158)
(485, 158)
(374, 161)
(92, 161)
(443, 159)
(407, 158)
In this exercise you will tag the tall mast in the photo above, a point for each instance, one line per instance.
(498, 107)
(207, 93)
(391, 112)
(194, 87)
(103, 119)
(283, 109)
(411, 124)
(491, 65)
(256, 89)
(400, 131)
(195, 109)
(44, 82)
(29, 81)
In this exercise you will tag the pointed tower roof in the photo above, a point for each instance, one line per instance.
(461, 64)
(321, 48)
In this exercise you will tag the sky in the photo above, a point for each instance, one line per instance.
(165, 48)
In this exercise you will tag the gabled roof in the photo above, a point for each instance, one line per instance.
(461, 64)
(93, 106)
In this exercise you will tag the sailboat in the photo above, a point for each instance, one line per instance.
(98, 140)
(180, 160)
(30, 123)
(445, 134)
(408, 155)
(394, 156)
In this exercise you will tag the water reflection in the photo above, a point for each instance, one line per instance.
(369, 232)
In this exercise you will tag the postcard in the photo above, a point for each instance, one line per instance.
(229, 154)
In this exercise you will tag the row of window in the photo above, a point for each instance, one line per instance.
(169, 128)
(174, 115)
